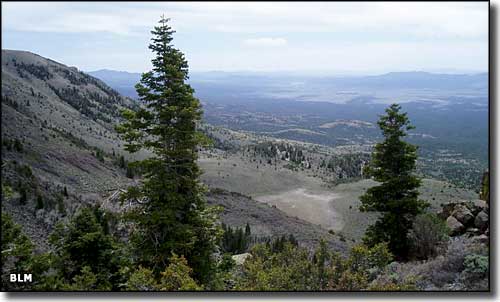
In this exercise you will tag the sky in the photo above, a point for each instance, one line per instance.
(309, 37)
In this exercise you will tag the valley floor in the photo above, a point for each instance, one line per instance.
(332, 207)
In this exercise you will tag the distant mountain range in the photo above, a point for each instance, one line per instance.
(267, 83)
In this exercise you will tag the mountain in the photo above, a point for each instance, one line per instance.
(414, 80)
(57, 136)
(309, 87)
(60, 151)
(122, 81)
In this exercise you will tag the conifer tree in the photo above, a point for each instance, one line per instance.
(174, 218)
(396, 197)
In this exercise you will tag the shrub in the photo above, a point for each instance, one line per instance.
(394, 283)
(362, 259)
(476, 265)
(7, 191)
(142, 280)
(475, 274)
(428, 237)
(177, 276)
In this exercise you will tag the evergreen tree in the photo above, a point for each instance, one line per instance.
(396, 198)
(39, 202)
(24, 195)
(248, 232)
(321, 257)
(122, 162)
(175, 217)
(130, 172)
(81, 245)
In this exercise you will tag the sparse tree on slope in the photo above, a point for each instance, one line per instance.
(174, 218)
(396, 197)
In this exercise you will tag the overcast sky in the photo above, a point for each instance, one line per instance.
(333, 37)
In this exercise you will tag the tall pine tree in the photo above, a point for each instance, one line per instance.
(396, 197)
(173, 217)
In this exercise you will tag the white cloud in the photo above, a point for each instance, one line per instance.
(252, 35)
(419, 19)
(272, 42)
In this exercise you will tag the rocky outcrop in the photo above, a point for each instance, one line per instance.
(462, 214)
(466, 217)
(455, 226)
(481, 221)
(240, 259)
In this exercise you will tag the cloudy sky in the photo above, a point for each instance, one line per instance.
(332, 37)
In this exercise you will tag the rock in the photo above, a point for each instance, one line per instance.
(454, 225)
(446, 210)
(463, 214)
(477, 206)
(481, 221)
(241, 258)
(481, 239)
(472, 231)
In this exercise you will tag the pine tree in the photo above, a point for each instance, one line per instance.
(24, 195)
(122, 162)
(248, 231)
(396, 198)
(175, 217)
(39, 202)
(321, 256)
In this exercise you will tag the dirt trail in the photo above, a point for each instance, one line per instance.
(315, 207)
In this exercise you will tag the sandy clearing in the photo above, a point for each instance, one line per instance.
(315, 207)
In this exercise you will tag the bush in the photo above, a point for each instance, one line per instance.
(428, 237)
(393, 283)
(142, 280)
(177, 276)
(475, 274)
(477, 265)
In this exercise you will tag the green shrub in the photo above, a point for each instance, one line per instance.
(428, 236)
(141, 279)
(177, 276)
(476, 264)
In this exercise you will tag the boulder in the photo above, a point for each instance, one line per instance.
(446, 210)
(481, 221)
(241, 258)
(454, 225)
(477, 206)
(463, 214)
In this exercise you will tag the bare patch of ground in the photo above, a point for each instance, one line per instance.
(315, 207)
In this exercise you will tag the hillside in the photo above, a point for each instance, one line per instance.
(57, 136)
(60, 151)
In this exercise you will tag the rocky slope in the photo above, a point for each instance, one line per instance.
(58, 140)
